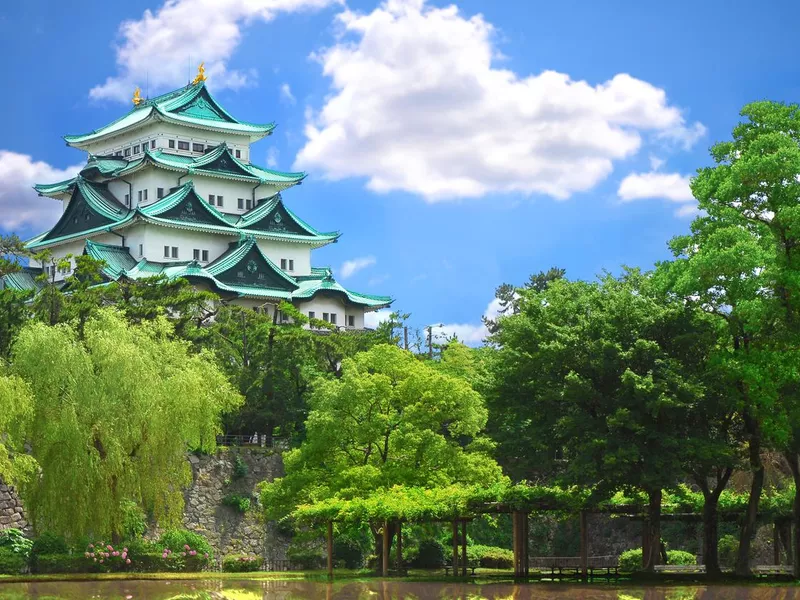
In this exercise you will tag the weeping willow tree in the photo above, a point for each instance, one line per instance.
(109, 417)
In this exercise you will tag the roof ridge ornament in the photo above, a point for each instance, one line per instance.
(137, 96)
(201, 74)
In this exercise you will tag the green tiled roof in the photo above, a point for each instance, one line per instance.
(321, 280)
(48, 189)
(192, 105)
(23, 280)
(238, 252)
(117, 259)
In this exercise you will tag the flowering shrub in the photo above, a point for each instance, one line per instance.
(112, 559)
(177, 540)
(239, 563)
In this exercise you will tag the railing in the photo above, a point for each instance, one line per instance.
(261, 440)
(269, 565)
(571, 562)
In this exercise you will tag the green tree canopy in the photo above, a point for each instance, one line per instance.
(109, 418)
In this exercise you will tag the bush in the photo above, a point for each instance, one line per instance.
(49, 543)
(237, 501)
(679, 557)
(304, 558)
(170, 562)
(240, 563)
(145, 563)
(64, 563)
(728, 548)
(177, 540)
(239, 467)
(134, 522)
(349, 552)
(14, 540)
(490, 557)
(631, 560)
(428, 555)
(11, 563)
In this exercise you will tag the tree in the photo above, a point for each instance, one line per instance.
(390, 419)
(111, 417)
(740, 264)
(591, 378)
(507, 295)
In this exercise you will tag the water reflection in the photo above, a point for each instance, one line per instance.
(373, 590)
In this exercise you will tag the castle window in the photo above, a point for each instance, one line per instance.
(174, 252)
(283, 264)
(212, 199)
(127, 200)
(145, 146)
(241, 203)
(166, 251)
(205, 255)
(291, 264)
(333, 318)
(127, 151)
(249, 204)
(325, 317)
(141, 249)
(160, 192)
(219, 200)
(118, 153)
(198, 147)
(136, 149)
(196, 254)
(183, 145)
(311, 314)
(145, 195)
(172, 143)
(351, 321)
(140, 196)
(238, 154)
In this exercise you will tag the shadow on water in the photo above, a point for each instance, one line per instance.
(374, 590)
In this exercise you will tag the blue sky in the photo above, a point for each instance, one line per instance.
(457, 146)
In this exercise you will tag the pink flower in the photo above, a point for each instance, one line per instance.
(86, 554)
(206, 554)
(115, 553)
(124, 549)
(183, 553)
(101, 561)
(186, 546)
(109, 547)
(127, 562)
(193, 552)
(91, 545)
(95, 560)
(124, 555)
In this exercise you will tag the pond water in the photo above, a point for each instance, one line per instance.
(375, 590)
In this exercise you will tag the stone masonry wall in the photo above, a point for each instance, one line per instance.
(11, 512)
(228, 530)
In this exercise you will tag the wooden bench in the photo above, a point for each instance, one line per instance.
(603, 572)
(765, 570)
(470, 568)
(680, 569)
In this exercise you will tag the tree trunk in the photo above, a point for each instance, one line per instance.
(794, 464)
(654, 530)
(711, 517)
(377, 534)
(748, 529)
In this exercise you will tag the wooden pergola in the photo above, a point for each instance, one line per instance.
(520, 529)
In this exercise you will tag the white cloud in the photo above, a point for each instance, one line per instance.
(470, 333)
(162, 48)
(688, 210)
(272, 157)
(20, 205)
(416, 104)
(286, 93)
(351, 267)
(670, 186)
(656, 163)
(375, 318)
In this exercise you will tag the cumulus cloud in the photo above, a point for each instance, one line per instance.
(471, 334)
(272, 157)
(375, 318)
(670, 186)
(286, 93)
(20, 205)
(417, 104)
(157, 48)
(351, 267)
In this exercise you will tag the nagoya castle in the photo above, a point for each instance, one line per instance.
(169, 189)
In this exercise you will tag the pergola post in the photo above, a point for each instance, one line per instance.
(776, 544)
(455, 548)
(464, 547)
(385, 554)
(645, 541)
(519, 522)
(330, 549)
(584, 545)
(399, 548)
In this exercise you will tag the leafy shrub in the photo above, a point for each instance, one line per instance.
(14, 540)
(49, 543)
(679, 557)
(134, 522)
(145, 563)
(64, 563)
(11, 563)
(239, 467)
(631, 560)
(429, 554)
(349, 552)
(240, 563)
(728, 548)
(304, 558)
(177, 540)
(171, 562)
(490, 557)
(237, 501)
